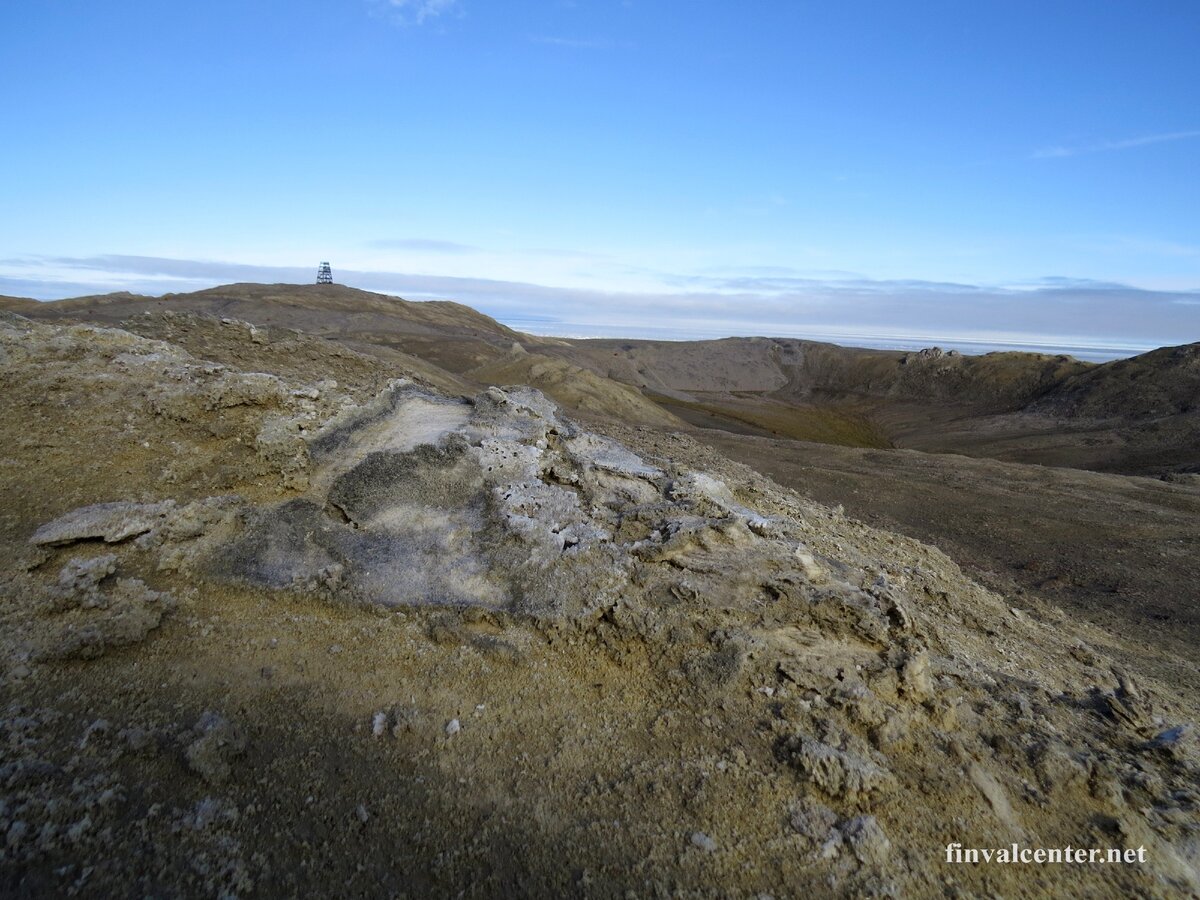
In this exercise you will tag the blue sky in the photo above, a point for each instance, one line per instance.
(1012, 171)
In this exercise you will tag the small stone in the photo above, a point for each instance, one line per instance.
(453, 727)
(812, 569)
(137, 739)
(703, 841)
(77, 830)
(361, 812)
(867, 840)
(379, 724)
(1169, 740)
(100, 726)
(915, 676)
(16, 833)
(217, 744)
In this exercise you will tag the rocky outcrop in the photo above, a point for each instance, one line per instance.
(790, 684)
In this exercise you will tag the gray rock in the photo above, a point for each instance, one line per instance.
(867, 839)
(217, 744)
(703, 841)
(839, 773)
(111, 522)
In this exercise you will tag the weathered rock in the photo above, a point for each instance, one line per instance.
(79, 582)
(915, 677)
(867, 840)
(216, 745)
(703, 841)
(840, 774)
(120, 617)
(111, 522)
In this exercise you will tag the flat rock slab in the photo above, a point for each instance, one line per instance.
(111, 522)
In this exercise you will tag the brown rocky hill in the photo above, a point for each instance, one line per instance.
(297, 626)
(811, 370)
(1163, 382)
(1135, 416)
(443, 342)
(18, 304)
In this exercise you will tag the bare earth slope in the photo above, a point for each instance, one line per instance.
(445, 342)
(1121, 552)
(18, 304)
(1135, 416)
(270, 634)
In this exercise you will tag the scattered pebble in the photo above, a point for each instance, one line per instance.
(703, 841)
(379, 724)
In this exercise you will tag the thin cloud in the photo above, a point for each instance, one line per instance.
(426, 245)
(558, 253)
(1145, 140)
(416, 12)
(579, 43)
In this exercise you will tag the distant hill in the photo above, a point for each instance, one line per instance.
(1164, 382)
(1137, 416)
(18, 304)
(463, 346)
(811, 370)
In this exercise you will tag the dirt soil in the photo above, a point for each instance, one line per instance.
(280, 618)
(1120, 552)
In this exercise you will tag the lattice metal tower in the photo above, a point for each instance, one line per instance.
(324, 274)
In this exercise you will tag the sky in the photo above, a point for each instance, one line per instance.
(976, 174)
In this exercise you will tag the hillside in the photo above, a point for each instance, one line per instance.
(1158, 384)
(18, 304)
(307, 627)
(803, 371)
(1135, 416)
(441, 342)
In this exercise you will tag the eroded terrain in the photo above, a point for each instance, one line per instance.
(331, 629)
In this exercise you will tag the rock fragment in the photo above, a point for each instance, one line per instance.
(111, 522)
(217, 744)
(379, 724)
(704, 842)
(867, 839)
(123, 616)
(839, 773)
(915, 677)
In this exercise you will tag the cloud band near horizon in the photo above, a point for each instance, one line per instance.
(1089, 319)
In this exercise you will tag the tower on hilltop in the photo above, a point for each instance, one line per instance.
(324, 274)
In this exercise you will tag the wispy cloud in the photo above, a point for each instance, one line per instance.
(1061, 151)
(579, 43)
(416, 12)
(427, 245)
